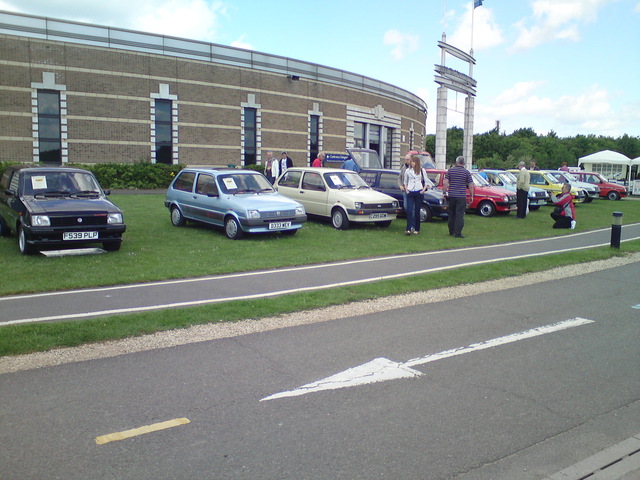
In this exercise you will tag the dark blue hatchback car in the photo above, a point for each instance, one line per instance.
(386, 181)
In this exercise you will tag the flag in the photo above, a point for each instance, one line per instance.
(477, 3)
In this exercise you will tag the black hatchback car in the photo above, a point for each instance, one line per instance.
(386, 181)
(57, 206)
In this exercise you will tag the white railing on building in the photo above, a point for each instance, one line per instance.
(82, 33)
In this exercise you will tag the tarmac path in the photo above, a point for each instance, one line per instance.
(94, 302)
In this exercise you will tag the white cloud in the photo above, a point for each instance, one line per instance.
(522, 106)
(403, 43)
(556, 20)
(193, 19)
(486, 33)
(240, 43)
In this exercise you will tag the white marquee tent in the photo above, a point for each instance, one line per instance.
(605, 156)
(608, 157)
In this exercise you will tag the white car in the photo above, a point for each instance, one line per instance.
(592, 191)
(341, 195)
(507, 180)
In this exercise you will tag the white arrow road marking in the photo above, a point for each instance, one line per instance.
(383, 369)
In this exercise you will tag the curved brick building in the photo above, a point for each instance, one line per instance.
(73, 92)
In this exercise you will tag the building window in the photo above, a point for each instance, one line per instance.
(314, 136)
(164, 131)
(49, 128)
(250, 133)
(387, 159)
(374, 138)
(359, 135)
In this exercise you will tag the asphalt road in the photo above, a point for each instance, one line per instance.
(518, 410)
(186, 292)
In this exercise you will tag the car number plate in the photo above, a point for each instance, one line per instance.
(279, 225)
(79, 235)
(375, 216)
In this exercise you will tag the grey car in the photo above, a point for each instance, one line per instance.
(240, 201)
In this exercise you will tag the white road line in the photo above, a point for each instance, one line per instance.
(208, 301)
(297, 269)
(383, 369)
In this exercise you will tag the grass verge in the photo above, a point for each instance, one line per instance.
(21, 339)
(155, 250)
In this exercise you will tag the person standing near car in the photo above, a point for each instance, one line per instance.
(318, 161)
(414, 185)
(268, 168)
(350, 164)
(522, 190)
(454, 186)
(285, 163)
(275, 169)
(403, 169)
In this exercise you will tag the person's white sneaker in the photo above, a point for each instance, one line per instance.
(573, 224)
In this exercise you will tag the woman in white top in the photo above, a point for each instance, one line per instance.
(415, 184)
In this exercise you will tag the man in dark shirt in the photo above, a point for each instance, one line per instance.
(455, 184)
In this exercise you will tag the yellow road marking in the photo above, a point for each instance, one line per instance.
(114, 437)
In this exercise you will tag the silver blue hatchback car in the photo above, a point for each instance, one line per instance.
(240, 201)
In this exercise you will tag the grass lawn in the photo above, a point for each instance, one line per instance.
(155, 250)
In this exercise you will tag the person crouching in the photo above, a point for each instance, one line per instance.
(565, 212)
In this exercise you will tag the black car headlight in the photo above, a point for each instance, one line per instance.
(40, 221)
(114, 218)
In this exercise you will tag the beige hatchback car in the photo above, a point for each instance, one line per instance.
(341, 195)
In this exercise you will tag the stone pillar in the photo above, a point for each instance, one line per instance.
(467, 145)
(441, 128)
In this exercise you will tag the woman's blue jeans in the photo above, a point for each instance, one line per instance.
(412, 209)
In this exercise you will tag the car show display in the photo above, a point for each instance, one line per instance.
(50, 206)
(240, 201)
(341, 195)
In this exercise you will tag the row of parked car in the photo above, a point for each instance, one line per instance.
(59, 206)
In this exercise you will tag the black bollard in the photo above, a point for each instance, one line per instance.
(616, 229)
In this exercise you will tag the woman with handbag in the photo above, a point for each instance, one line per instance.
(565, 212)
(415, 183)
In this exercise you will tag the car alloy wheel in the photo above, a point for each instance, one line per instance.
(486, 209)
(24, 247)
(339, 220)
(425, 214)
(232, 229)
(177, 219)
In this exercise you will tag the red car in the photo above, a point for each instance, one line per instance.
(609, 190)
(487, 200)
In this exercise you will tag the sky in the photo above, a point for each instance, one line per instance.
(566, 66)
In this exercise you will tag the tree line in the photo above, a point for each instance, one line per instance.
(498, 150)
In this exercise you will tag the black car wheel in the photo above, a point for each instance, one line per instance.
(613, 195)
(24, 247)
(425, 214)
(177, 219)
(339, 219)
(232, 229)
(486, 209)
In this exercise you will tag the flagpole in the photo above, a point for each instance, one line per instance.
(473, 9)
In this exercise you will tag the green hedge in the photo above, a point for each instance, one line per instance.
(134, 176)
(138, 176)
